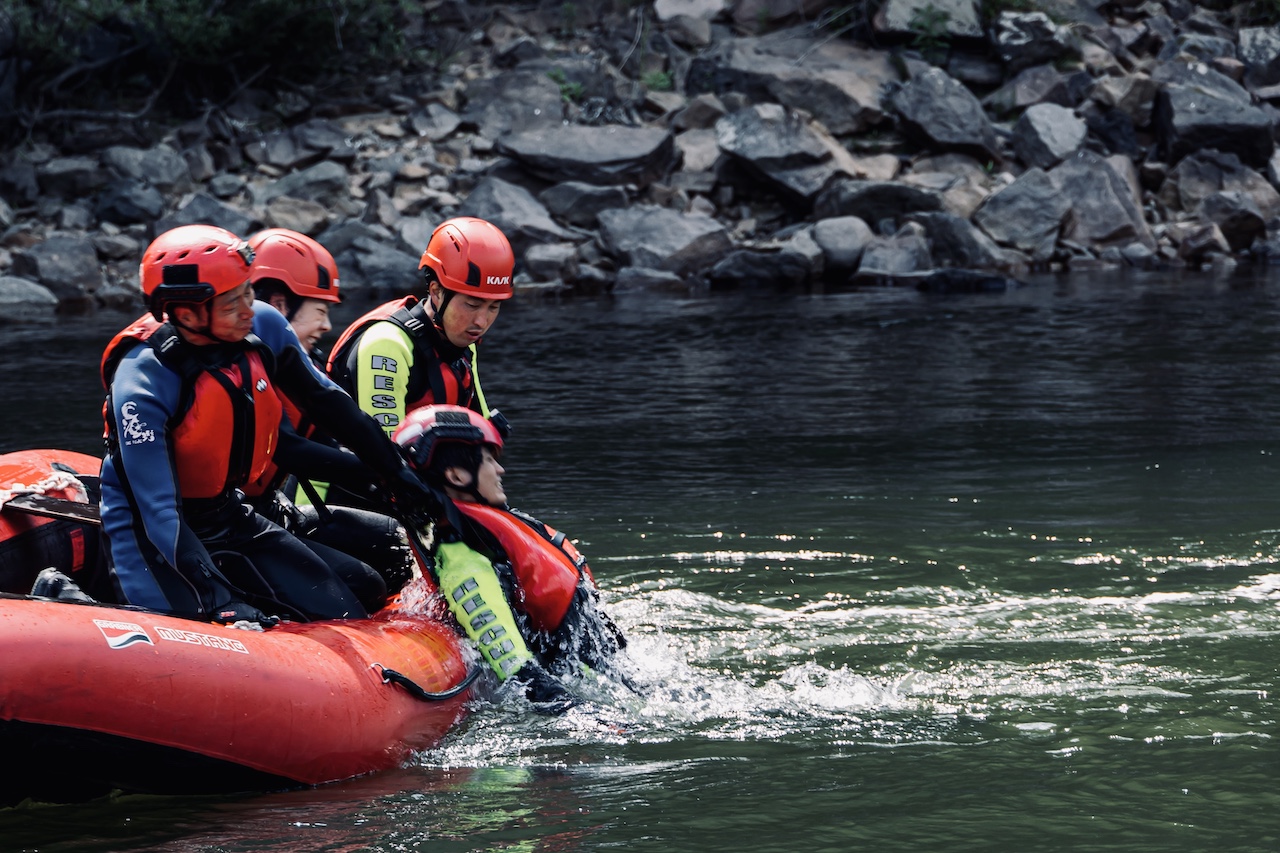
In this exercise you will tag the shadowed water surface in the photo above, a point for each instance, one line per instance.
(900, 572)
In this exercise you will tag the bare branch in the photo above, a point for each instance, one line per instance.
(113, 115)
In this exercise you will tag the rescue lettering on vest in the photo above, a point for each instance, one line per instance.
(381, 362)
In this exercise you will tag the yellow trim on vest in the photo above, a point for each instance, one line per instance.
(475, 384)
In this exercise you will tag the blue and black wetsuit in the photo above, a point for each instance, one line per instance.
(187, 427)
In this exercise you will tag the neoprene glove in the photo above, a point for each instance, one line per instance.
(412, 496)
(547, 695)
(237, 611)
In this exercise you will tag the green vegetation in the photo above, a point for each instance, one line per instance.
(657, 81)
(570, 90)
(122, 56)
(929, 30)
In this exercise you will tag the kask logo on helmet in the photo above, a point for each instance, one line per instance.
(497, 279)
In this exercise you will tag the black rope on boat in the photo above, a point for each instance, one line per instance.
(410, 687)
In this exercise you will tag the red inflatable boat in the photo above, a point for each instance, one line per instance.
(95, 698)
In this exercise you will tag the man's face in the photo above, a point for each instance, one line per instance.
(229, 315)
(310, 322)
(488, 479)
(466, 318)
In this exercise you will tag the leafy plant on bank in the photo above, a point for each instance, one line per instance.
(570, 91)
(929, 30)
(657, 81)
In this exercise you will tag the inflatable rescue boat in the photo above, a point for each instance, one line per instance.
(95, 698)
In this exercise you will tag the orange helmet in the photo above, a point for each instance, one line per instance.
(193, 264)
(470, 255)
(301, 264)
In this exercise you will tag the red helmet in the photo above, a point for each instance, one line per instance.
(193, 263)
(427, 428)
(297, 261)
(470, 255)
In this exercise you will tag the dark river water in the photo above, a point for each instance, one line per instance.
(905, 573)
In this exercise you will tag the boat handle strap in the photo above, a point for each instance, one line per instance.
(390, 676)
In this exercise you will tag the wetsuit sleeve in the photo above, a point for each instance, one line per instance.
(140, 499)
(322, 400)
(380, 368)
(311, 460)
(144, 395)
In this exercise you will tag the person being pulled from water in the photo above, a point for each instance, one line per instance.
(193, 413)
(299, 277)
(484, 556)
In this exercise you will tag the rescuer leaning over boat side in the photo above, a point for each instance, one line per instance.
(414, 352)
(192, 414)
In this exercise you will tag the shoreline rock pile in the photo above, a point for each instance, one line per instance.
(694, 144)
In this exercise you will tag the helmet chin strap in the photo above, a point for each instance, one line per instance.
(473, 487)
(437, 311)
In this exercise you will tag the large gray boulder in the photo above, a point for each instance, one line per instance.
(941, 114)
(580, 203)
(875, 201)
(66, 264)
(205, 209)
(838, 82)
(793, 156)
(1259, 50)
(949, 19)
(1025, 215)
(1204, 173)
(609, 154)
(1046, 134)
(660, 238)
(1198, 108)
(1103, 209)
(325, 182)
(22, 300)
(516, 211)
(162, 167)
(1024, 39)
(513, 101)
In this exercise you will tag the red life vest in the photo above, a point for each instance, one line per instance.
(228, 419)
(431, 378)
(271, 478)
(547, 566)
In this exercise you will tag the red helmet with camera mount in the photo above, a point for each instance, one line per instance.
(425, 429)
(470, 255)
(192, 264)
(297, 261)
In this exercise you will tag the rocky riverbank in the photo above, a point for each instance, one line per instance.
(693, 144)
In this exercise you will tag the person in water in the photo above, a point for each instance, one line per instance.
(413, 352)
(519, 589)
(193, 413)
(299, 277)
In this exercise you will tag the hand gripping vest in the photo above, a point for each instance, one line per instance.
(224, 433)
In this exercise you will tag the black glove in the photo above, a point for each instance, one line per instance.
(237, 611)
(413, 497)
(547, 695)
